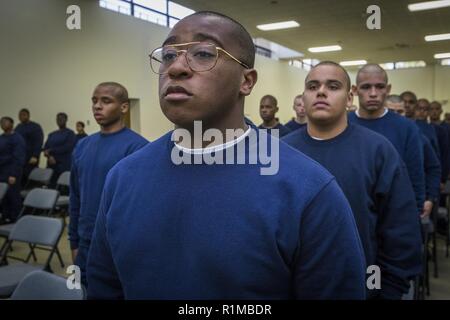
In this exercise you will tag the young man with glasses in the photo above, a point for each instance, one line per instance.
(219, 231)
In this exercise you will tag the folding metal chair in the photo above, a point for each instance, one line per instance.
(37, 201)
(34, 230)
(41, 285)
(38, 177)
(62, 185)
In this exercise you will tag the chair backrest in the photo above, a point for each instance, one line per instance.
(37, 230)
(41, 175)
(3, 189)
(41, 285)
(64, 179)
(39, 198)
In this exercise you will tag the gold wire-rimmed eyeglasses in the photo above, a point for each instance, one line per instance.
(200, 56)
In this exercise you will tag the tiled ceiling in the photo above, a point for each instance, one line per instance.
(343, 22)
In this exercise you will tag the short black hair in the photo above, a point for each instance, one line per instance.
(8, 119)
(62, 114)
(271, 98)
(408, 93)
(121, 92)
(81, 123)
(394, 98)
(25, 110)
(348, 82)
(243, 38)
(372, 67)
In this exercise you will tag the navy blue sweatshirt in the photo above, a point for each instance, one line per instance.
(375, 181)
(167, 231)
(79, 136)
(282, 129)
(12, 156)
(60, 144)
(294, 125)
(34, 138)
(443, 141)
(406, 138)
(432, 171)
(92, 159)
(430, 133)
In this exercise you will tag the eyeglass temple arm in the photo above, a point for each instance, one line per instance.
(231, 56)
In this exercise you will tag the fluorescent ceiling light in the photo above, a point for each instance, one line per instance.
(438, 37)
(278, 25)
(325, 49)
(442, 55)
(428, 5)
(353, 63)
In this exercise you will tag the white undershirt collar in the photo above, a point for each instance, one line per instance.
(386, 110)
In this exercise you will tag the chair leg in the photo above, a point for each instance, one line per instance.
(31, 254)
(58, 254)
(435, 258)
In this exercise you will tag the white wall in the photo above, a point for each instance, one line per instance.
(49, 69)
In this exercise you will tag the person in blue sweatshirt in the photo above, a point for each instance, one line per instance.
(92, 158)
(370, 172)
(300, 116)
(33, 135)
(268, 108)
(432, 166)
(171, 229)
(79, 127)
(421, 111)
(372, 88)
(58, 148)
(12, 159)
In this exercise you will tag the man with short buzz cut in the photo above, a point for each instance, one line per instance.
(372, 88)
(410, 100)
(92, 158)
(219, 230)
(395, 103)
(268, 107)
(33, 135)
(371, 174)
(300, 116)
(12, 159)
(58, 148)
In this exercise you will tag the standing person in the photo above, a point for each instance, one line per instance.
(92, 158)
(58, 148)
(300, 115)
(80, 131)
(12, 159)
(268, 108)
(372, 87)
(33, 135)
(370, 172)
(219, 230)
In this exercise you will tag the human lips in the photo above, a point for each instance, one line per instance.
(176, 93)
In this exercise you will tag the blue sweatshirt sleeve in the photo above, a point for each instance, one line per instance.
(330, 263)
(414, 163)
(444, 149)
(432, 172)
(74, 205)
(65, 147)
(398, 230)
(102, 278)
(36, 141)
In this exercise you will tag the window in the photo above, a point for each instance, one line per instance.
(445, 62)
(162, 12)
(388, 65)
(409, 64)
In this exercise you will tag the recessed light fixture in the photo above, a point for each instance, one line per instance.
(427, 5)
(438, 37)
(442, 55)
(325, 49)
(278, 25)
(353, 63)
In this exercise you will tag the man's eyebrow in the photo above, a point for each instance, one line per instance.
(170, 40)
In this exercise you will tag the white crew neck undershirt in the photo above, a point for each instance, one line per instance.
(216, 148)
(386, 110)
